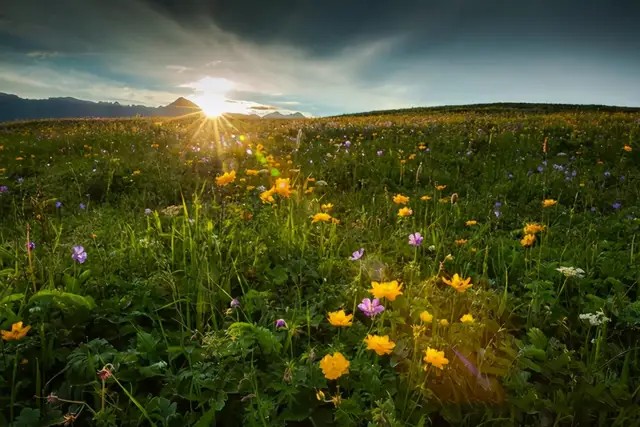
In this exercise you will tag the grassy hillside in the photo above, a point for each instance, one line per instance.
(189, 272)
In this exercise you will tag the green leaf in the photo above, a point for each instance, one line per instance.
(28, 418)
(63, 300)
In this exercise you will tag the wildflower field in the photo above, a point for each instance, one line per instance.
(437, 268)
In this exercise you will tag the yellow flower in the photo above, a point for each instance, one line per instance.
(334, 366)
(467, 318)
(282, 187)
(403, 161)
(335, 221)
(458, 283)
(422, 147)
(19, 158)
(627, 148)
(226, 178)
(426, 317)
(425, 198)
(309, 190)
(533, 228)
(412, 156)
(251, 172)
(471, 222)
(251, 187)
(327, 207)
(340, 318)
(310, 179)
(136, 172)
(440, 187)
(155, 145)
(461, 242)
(321, 216)
(388, 290)
(528, 240)
(444, 322)
(547, 203)
(16, 333)
(405, 212)
(400, 199)
(267, 196)
(435, 357)
(320, 395)
(380, 344)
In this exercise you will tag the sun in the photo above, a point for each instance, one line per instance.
(212, 105)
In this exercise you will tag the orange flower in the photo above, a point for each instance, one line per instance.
(400, 199)
(334, 366)
(405, 212)
(435, 358)
(461, 242)
(251, 172)
(471, 222)
(321, 217)
(267, 196)
(528, 240)
(16, 333)
(226, 178)
(627, 148)
(440, 187)
(533, 228)
(425, 198)
(282, 187)
(458, 283)
(467, 318)
(426, 317)
(380, 344)
(547, 203)
(340, 318)
(388, 290)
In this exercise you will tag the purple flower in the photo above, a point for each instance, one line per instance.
(58, 204)
(540, 168)
(83, 206)
(380, 153)
(415, 239)
(31, 246)
(4, 189)
(347, 144)
(616, 205)
(497, 205)
(357, 255)
(147, 211)
(370, 308)
(79, 254)
(280, 323)
(235, 303)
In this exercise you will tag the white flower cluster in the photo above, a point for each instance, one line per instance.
(595, 319)
(571, 272)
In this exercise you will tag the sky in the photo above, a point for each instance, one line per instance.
(324, 57)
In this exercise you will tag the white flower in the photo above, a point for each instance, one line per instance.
(595, 319)
(571, 272)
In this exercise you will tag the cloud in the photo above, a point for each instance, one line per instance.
(422, 53)
(263, 107)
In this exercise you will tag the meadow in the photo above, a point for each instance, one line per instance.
(466, 268)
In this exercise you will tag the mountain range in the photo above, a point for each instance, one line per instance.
(12, 107)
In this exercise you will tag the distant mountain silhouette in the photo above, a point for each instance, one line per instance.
(13, 107)
(278, 115)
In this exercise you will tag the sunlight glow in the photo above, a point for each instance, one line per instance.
(212, 105)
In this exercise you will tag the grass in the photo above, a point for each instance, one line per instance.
(172, 319)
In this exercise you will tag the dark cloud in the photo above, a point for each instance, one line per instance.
(329, 56)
